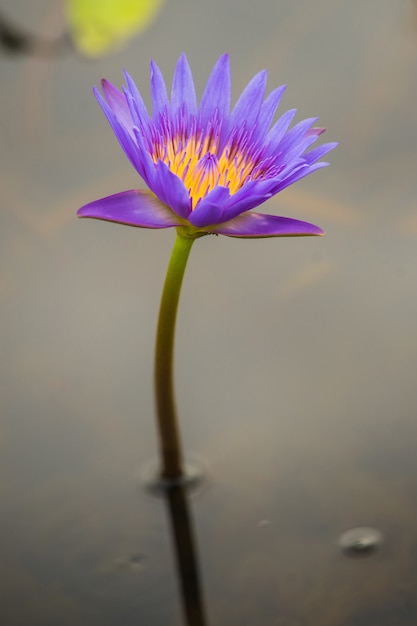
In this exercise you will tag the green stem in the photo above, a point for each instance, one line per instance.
(169, 436)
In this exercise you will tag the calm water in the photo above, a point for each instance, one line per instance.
(296, 359)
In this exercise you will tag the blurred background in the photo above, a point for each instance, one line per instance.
(296, 358)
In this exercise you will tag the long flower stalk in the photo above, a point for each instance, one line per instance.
(168, 430)
(206, 167)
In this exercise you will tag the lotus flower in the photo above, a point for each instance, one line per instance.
(205, 166)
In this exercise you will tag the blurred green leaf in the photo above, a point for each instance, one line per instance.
(101, 26)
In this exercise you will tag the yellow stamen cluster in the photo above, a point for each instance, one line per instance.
(195, 161)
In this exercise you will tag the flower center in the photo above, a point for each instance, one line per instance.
(195, 160)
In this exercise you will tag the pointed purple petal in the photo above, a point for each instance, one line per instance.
(171, 190)
(279, 129)
(251, 195)
(183, 90)
(254, 225)
(134, 208)
(295, 151)
(158, 91)
(210, 209)
(117, 103)
(145, 166)
(123, 134)
(267, 112)
(301, 172)
(316, 131)
(217, 92)
(313, 155)
(296, 133)
(114, 97)
(248, 106)
(136, 102)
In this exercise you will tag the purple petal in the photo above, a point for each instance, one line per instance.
(134, 208)
(251, 195)
(171, 190)
(123, 134)
(288, 169)
(145, 166)
(210, 209)
(267, 112)
(217, 92)
(296, 133)
(300, 173)
(248, 106)
(279, 129)
(158, 91)
(316, 131)
(183, 90)
(254, 225)
(136, 102)
(117, 102)
(317, 153)
(294, 152)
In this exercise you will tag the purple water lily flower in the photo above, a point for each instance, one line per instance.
(205, 166)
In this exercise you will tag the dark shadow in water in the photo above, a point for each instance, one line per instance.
(13, 40)
(186, 556)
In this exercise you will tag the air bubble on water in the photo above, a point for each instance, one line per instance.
(361, 541)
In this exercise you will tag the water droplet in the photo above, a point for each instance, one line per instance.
(361, 541)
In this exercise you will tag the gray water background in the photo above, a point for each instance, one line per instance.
(296, 359)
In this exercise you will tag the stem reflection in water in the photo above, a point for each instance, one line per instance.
(186, 556)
